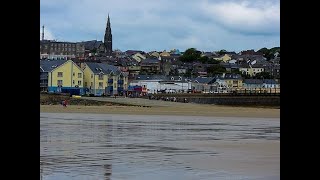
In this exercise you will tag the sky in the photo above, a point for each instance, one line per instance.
(207, 25)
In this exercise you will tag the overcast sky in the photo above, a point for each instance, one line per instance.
(207, 25)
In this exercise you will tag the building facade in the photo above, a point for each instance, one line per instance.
(61, 76)
(103, 79)
(50, 49)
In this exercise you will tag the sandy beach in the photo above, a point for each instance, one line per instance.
(190, 110)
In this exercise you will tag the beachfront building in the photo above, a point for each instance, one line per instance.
(104, 79)
(233, 81)
(61, 76)
(160, 83)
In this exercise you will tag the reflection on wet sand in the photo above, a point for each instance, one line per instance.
(93, 146)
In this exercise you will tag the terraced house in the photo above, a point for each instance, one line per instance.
(61, 76)
(104, 79)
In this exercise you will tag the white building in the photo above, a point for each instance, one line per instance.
(156, 84)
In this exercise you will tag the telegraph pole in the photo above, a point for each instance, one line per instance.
(42, 37)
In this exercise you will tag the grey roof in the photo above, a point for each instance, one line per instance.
(160, 77)
(49, 65)
(230, 65)
(102, 67)
(90, 45)
(260, 81)
(151, 77)
(150, 61)
(204, 80)
(253, 81)
(232, 76)
(132, 52)
(270, 81)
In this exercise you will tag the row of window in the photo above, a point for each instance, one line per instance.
(60, 82)
(60, 74)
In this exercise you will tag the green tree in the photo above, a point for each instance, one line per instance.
(222, 52)
(263, 75)
(213, 61)
(216, 69)
(264, 51)
(190, 55)
(204, 59)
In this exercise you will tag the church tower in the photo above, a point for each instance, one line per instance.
(108, 38)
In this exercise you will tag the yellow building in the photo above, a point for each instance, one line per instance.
(138, 57)
(252, 71)
(233, 81)
(61, 76)
(164, 53)
(225, 58)
(104, 79)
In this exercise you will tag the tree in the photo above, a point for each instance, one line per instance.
(264, 51)
(204, 59)
(245, 75)
(213, 61)
(190, 55)
(222, 52)
(263, 75)
(216, 69)
(235, 71)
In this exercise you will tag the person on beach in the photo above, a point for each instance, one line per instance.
(64, 103)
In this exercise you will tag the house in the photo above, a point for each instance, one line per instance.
(61, 50)
(233, 81)
(252, 83)
(270, 83)
(273, 69)
(161, 83)
(104, 79)
(94, 47)
(251, 70)
(138, 57)
(61, 76)
(154, 54)
(202, 84)
(224, 58)
(230, 66)
(132, 52)
(150, 66)
(260, 83)
(164, 53)
(134, 71)
(175, 52)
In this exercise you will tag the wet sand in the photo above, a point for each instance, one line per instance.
(178, 109)
(109, 146)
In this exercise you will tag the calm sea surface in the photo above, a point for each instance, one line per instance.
(105, 146)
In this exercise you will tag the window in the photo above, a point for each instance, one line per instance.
(73, 74)
(79, 75)
(60, 74)
(100, 84)
(91, 76)
(79, 83)
(60, 83)
(85, 84)
(100, 76)
(91, 84)
(114, 85)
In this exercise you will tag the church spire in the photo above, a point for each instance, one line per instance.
(108, 38)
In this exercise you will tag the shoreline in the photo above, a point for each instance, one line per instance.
(200, 110)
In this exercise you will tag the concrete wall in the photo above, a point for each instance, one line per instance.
(234, 100)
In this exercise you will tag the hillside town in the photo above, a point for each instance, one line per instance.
(93, 68)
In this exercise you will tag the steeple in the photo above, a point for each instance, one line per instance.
(108, 38)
